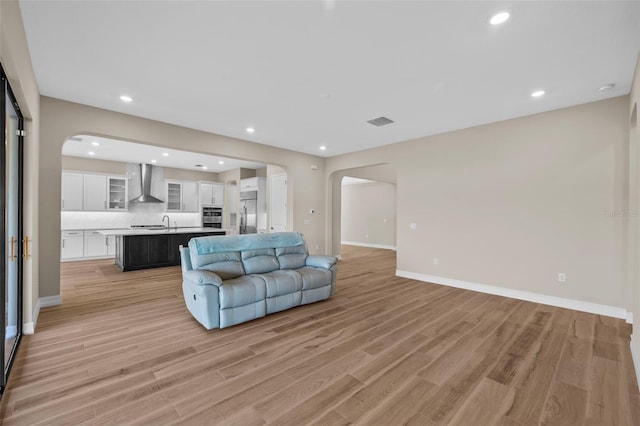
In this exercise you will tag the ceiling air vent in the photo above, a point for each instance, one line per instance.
(380, 121)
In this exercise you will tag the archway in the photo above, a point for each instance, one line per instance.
(384, 173)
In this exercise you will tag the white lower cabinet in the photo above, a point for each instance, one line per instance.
(95, 244)
(86, 244)
(72, 245)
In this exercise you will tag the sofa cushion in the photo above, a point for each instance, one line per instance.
(226, 265)
(260, 261)
(292, 257)
(319, 261)
(282, 282)
(242, 291)
(314, 277)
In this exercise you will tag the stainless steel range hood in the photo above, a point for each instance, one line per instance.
(145, 181)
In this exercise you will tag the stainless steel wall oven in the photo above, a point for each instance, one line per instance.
(212, 217)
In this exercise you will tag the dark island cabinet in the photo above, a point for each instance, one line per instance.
(135, 252)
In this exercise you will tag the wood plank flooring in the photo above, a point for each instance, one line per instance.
(123, 349)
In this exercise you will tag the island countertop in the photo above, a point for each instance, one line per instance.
(163, 231)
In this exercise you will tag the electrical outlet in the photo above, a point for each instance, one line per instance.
(562, 277)
(413, 225)
(435, 261)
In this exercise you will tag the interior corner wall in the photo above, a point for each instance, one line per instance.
(16, 61)
(61, 119)
(512, 204)
(368, 215)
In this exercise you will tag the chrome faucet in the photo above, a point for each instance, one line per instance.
(168, 223)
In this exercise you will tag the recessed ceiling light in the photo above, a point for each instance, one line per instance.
(125, 98)
(537, 93)
(154, 161)
(250, 130)
(220, 162)
(91, 153)
(94, 143)
(499, 18)
(166, 154)
(204, 167)
(322, 148)
(607, 87)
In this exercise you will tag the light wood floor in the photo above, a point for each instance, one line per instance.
(123, 349)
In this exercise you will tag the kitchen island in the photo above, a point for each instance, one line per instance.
(153, 248)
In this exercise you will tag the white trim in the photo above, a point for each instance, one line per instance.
(636, 361)
(561, 302)
(42, 302)
(378, 246)
(27, 328)
(50, 301)
(338, 256)
(629, 317)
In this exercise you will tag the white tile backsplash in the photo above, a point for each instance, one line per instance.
(141, 214)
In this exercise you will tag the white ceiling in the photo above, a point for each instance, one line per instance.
(130, 152)
(310, 73)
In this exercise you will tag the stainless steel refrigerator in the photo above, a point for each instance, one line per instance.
(248, 212)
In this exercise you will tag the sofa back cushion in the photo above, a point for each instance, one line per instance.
(227, 265)
(293, 257)
(222, 254)
(260, 261)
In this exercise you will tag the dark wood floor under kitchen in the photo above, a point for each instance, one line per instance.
(123, 349)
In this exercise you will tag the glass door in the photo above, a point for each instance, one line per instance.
(12, 250)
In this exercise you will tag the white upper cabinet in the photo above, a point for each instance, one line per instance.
(182, 196)
(249, 184)
(95, 193)
(72, 184)
(189, 196)
(211, 194)
(117, 197)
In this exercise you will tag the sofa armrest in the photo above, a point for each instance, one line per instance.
(199, 276)
(318, 261)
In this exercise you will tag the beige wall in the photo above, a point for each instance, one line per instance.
(633, 264)
(120, 168)
(61, 119)
(93, 165)
(368, 214)
(15, 59)
(512, 204)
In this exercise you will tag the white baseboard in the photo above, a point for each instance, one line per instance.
(43, 302)
(561, 302)
(338, 256)
(629, 317)
(378, 246)
(636, 361)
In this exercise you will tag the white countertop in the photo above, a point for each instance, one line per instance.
(143, 231)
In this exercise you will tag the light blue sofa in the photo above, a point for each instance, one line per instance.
(228, 280)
